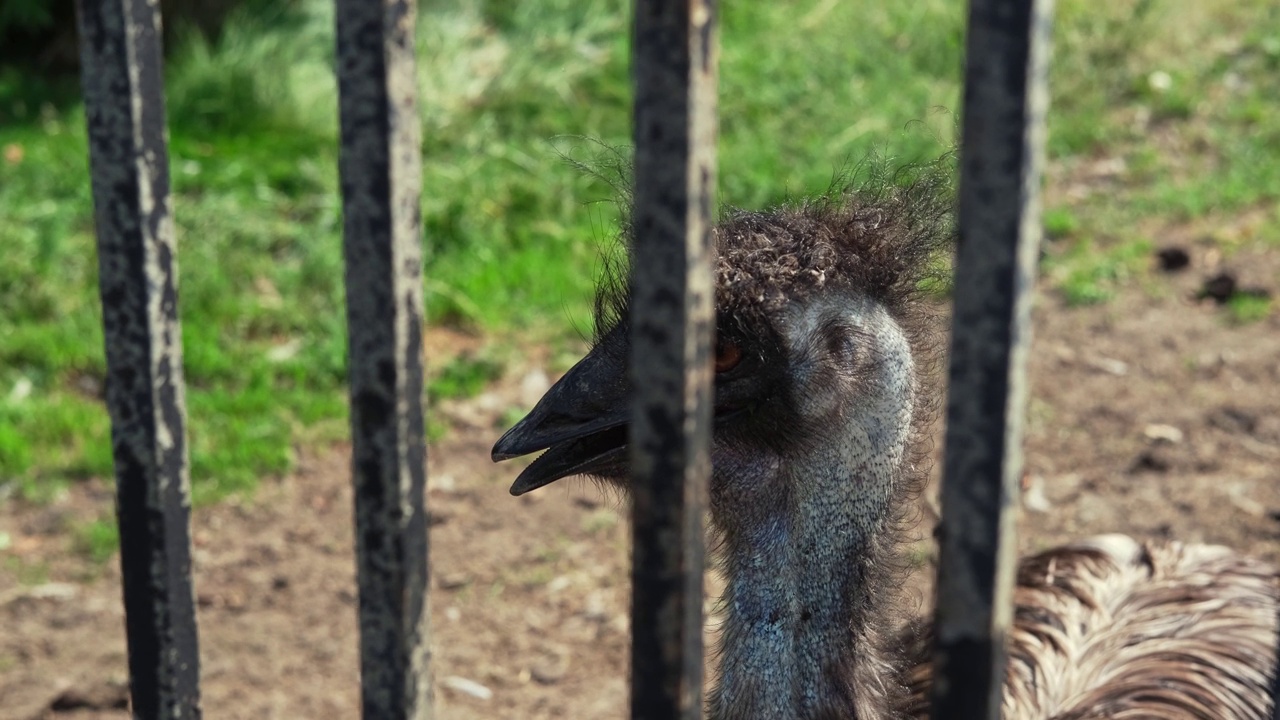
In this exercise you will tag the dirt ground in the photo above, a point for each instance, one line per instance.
(1151, 415)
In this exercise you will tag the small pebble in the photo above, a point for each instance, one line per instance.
(468, 687)
(1157, 432)
(1033, 497)
(1108, 365)
(452, 581)
(551, 667)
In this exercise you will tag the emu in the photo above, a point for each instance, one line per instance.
(825, 352)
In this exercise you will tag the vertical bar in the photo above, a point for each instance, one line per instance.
(1275, 688)
(674, 66)
(381, 167)
(1005, 100)
(122, 76)
(1275, 685)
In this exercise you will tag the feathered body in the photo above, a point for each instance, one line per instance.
(826, 351)
(1115, 628)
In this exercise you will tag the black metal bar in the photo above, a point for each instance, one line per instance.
(1275, 687)
(123, 81)
(1005, 100)
(381, 166)
(672, 316)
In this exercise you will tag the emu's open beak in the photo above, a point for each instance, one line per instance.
(581, 423)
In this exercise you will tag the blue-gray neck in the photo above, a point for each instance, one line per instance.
(799, 625)
(805, 539)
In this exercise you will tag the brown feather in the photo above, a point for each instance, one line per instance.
(1113, 628)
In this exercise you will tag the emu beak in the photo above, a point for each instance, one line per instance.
(581, 423)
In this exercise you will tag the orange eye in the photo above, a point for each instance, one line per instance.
(728, 355)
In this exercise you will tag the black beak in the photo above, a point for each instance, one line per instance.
(581, 423)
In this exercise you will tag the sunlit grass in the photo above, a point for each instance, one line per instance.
(1178, 95)
(1086, 274)
(1246, 308)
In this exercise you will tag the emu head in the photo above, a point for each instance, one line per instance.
(816, 359)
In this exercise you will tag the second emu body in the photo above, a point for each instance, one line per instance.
(825, 363)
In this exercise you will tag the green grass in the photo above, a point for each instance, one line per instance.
(1244, 309)
(1181, 91)
(97, 540)
(1060, 222)
(1087, 275)
(27, 573)
(464, 376)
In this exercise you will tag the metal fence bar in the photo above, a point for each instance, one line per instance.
(1275, 684)
(672, 315)
(1005, 100)
(381, 168)
(1275, 687)
(121, 72)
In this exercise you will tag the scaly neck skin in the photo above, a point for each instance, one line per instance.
(803, 550)
(798, 620)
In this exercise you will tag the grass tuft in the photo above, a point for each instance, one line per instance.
(1087, 275)
(1245, 308)
(97, 540)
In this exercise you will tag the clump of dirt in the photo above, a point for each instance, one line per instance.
(1151, 415)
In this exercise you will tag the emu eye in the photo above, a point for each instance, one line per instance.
(728, 355)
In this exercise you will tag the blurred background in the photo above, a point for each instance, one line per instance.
(1156, 336)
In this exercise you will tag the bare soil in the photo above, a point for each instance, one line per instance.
(1151, 414)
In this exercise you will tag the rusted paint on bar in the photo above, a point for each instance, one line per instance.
(674, 66)
(1001, 156)
(137, 265)
(381, 167)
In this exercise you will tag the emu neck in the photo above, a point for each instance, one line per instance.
(806, 529)
(800, 636)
